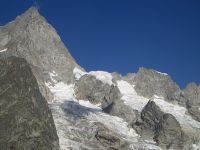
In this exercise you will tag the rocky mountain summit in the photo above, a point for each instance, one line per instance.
(29, 36)
(93, 110)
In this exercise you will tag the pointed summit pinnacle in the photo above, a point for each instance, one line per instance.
(32, 12)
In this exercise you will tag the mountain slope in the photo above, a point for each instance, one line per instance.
(29, 36)
(101, 110)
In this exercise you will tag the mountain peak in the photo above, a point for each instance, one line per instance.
(31, 37)
(28, 15)
(32, 12)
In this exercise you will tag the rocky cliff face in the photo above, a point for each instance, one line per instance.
(192, 96)
(162, 127)
(26, 121)
(150, 82)
(108, 96)
(169, 134)
(29, 36)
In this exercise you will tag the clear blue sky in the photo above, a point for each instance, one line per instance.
(123, 35)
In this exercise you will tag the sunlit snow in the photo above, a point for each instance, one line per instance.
(64, 94)
(196, 146)
(52, 75)
(78, 73)
(4, 50)
(178, 111)
(103, 76)
(130, 97)
(137, 102)
(162, 73)
(64, 98)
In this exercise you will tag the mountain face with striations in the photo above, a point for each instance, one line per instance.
(29, 36)
(93, 110)
(26, 121)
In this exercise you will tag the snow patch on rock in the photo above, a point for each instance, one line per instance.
(177, 111)
(195, 146)
(52, 75)
(162, 73)
(116, 125)
(103, 76)
(64, 94)
(78, 73)
(132, 99)
(4, 50)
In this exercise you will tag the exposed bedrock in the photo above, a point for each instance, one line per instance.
(164, 129)
(149, 82)
(30, 37)
(108, 96)
(192, 95)
(25, 119)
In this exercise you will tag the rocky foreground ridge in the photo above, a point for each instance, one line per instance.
(91, 110)
(25, 118)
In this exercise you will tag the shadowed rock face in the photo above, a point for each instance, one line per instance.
(25, 119)
(151, 115)
(29, 36)
(168, 133)
(162, 127)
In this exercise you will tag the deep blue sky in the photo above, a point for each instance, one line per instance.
(123, 35)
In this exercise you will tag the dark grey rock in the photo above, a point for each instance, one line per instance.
(25, 119)
(162, 127)
(89, 88)
(169, 134)
(151, 115)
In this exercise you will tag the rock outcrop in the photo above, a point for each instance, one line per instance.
(169, 134)
(89, 88)
(25, 119)
(149, 118)
(192, 95)
(109, 96)
(113, 105)
(109, 140)
(162, 127)
(149, 82)
(151, 115)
